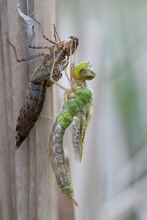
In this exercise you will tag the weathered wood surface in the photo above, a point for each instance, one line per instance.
(27, 187)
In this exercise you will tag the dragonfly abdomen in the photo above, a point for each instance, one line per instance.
(70, 109)
(30, 110)
(58, 161)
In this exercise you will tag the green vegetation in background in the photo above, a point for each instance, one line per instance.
(127, 96)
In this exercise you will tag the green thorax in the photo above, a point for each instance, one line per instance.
(77, 99)
(75, 103)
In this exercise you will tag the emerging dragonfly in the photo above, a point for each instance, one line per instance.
(76, 110)
(47, 73)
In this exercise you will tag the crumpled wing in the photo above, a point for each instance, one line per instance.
(78, 130)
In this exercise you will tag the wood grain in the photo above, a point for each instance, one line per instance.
(27, 184)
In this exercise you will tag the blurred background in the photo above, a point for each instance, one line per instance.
(111, 181)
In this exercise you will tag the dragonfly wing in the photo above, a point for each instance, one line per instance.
(85, 123)
(78, 129)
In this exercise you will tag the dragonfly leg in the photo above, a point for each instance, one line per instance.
(52, 80)
(26, 58)
(56, 35)
(64, 64)
(43, 35)
(38, 47)
(48, 117)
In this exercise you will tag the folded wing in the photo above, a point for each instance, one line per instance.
(78, 130)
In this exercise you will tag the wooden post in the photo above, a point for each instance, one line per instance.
(27, 184)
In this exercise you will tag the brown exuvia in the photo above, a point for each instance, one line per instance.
(54, 62)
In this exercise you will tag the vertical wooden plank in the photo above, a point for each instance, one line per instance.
(19, 80)
(27, 187)
(44, 172)
(7, 171)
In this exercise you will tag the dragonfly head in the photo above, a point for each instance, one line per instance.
(83, 71)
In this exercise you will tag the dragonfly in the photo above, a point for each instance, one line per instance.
(76, 111)
(55, 60)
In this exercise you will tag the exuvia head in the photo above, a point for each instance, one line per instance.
(71, 44)
(75, 40)
(83, 71)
